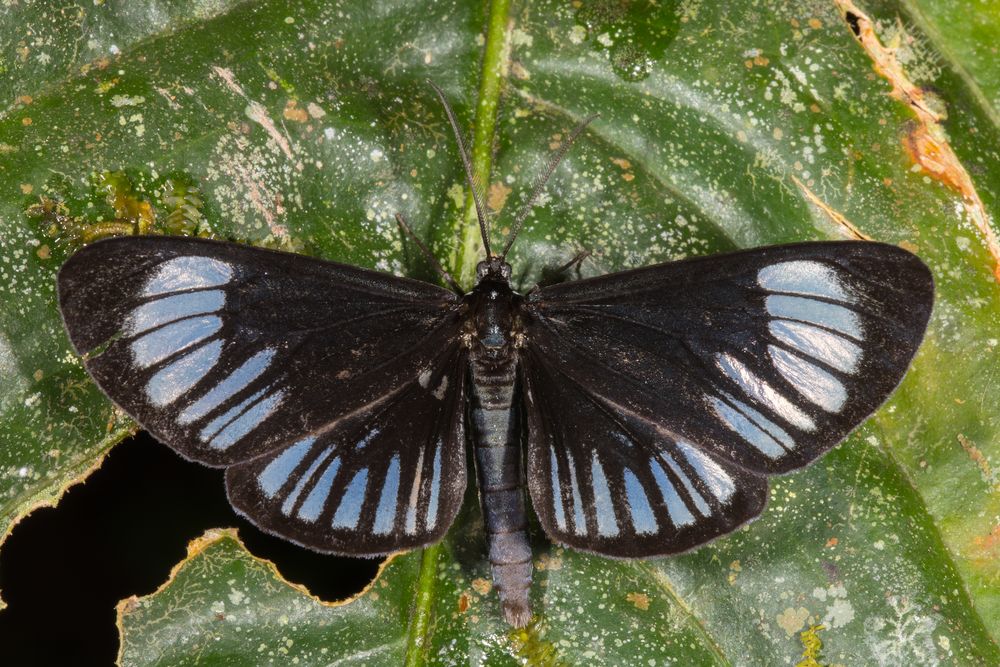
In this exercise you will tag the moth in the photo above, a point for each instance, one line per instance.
(643, 411)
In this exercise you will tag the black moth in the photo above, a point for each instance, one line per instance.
(655, 401)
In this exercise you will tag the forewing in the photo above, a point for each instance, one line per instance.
(764, 358)
(226, 352)
(387, 477)
(603, 479)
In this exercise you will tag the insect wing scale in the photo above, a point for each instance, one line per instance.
(657, 400)
(390, 476)
(237, 355)
(604, 480)
(697, 378)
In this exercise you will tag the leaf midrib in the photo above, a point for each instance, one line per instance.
(420, 631)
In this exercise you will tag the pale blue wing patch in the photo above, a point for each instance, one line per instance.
(604, 508)
(371, 435)
(289, 503)
(229, 386)
(640, 512)
(699, 502)
(762, 391)
(762, 433)
(182, 312)
(188, 273)
(385, 515)
(316, 484)
(432, 504)
(825, 346)
(410, 526)
(174, 380)
(421, 487)
(803, 277)
(819, 313)
(579, 523)
(164, 310)
(677, 509)
(712, 475)
(243, 419)
(174, 323)
(217, 424)
(815, 331)
(349, 510)
(814, 383)
(313, 505)
(557, 499)
(168, 340)
(277, 473)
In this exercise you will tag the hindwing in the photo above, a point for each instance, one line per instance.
(606, 480)
(283, 365)
(387, 477)
(754, 362)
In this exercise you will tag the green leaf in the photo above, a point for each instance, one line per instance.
(306, 127)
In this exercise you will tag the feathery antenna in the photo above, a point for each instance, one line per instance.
(467, 163)
(542, 180)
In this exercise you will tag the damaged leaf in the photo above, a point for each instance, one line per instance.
(307, 127)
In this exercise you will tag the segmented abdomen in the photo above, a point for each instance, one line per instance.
(497, 440)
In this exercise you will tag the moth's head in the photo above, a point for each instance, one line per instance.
(494, 268)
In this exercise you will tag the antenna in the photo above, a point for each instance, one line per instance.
(477, 200)
(542, 180)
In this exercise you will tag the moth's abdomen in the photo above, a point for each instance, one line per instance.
(496, 433)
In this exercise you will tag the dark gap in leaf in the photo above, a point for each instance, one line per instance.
(854, 21)
(63, 570)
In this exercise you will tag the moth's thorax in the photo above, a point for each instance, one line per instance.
(493, 328)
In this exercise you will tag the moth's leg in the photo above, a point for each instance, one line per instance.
(573, 263)
(429, 256)
(559, 274)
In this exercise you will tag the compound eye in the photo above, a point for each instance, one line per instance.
(505, 271)
(482, 269)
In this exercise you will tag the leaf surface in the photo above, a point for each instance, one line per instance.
(307, 127)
